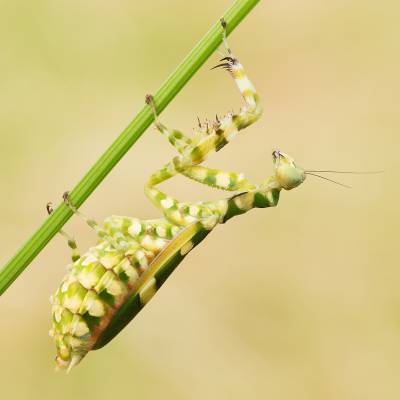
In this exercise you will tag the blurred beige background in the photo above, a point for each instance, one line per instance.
(297, 302)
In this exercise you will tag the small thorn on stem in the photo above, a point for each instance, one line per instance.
(198, 121)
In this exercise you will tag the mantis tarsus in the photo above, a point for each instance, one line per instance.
(109, 284)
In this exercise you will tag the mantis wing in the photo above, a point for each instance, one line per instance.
(152, 279)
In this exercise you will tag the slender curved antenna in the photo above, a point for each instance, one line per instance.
(346, 172)
(330, 180)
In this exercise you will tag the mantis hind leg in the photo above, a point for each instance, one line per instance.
(70, 240)
(101, 233)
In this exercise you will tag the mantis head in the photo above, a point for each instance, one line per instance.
(287, 174)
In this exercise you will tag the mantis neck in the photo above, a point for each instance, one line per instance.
(267, 195)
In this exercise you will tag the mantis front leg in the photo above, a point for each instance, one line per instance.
(194, 151)
(252, 111)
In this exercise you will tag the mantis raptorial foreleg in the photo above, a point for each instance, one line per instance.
(211, 138)
(231, 181)
(253, 109)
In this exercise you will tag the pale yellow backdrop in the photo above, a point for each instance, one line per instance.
(298, 302)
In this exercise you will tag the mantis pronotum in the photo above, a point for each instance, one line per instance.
(109, 284)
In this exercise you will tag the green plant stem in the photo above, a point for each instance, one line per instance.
(177, 80)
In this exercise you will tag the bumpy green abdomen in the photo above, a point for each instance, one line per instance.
(99, 282)
(106, 287)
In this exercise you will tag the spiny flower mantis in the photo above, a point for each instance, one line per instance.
(109, 284)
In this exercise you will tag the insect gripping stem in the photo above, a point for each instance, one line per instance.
(171, 87)
(110, 283)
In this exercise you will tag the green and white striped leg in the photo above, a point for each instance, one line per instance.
(213, 139)
(186, 165)
(183, 213)
(176, 165)
(172, 209)
(220, 134)
(175, 137)
(101, 233)
(70, 240)
(225, 180)
(243, 202)
(252, 110)
(193, 155)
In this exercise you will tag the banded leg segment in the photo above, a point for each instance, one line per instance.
(101, 233)
(252, 110)
(175, 137)
(171, 208)
(184, 214)
(224, 180)
(243, 202)
(168, 171)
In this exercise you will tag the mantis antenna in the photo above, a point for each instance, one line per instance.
(346, 172)
(312, 172)
(327, 179)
